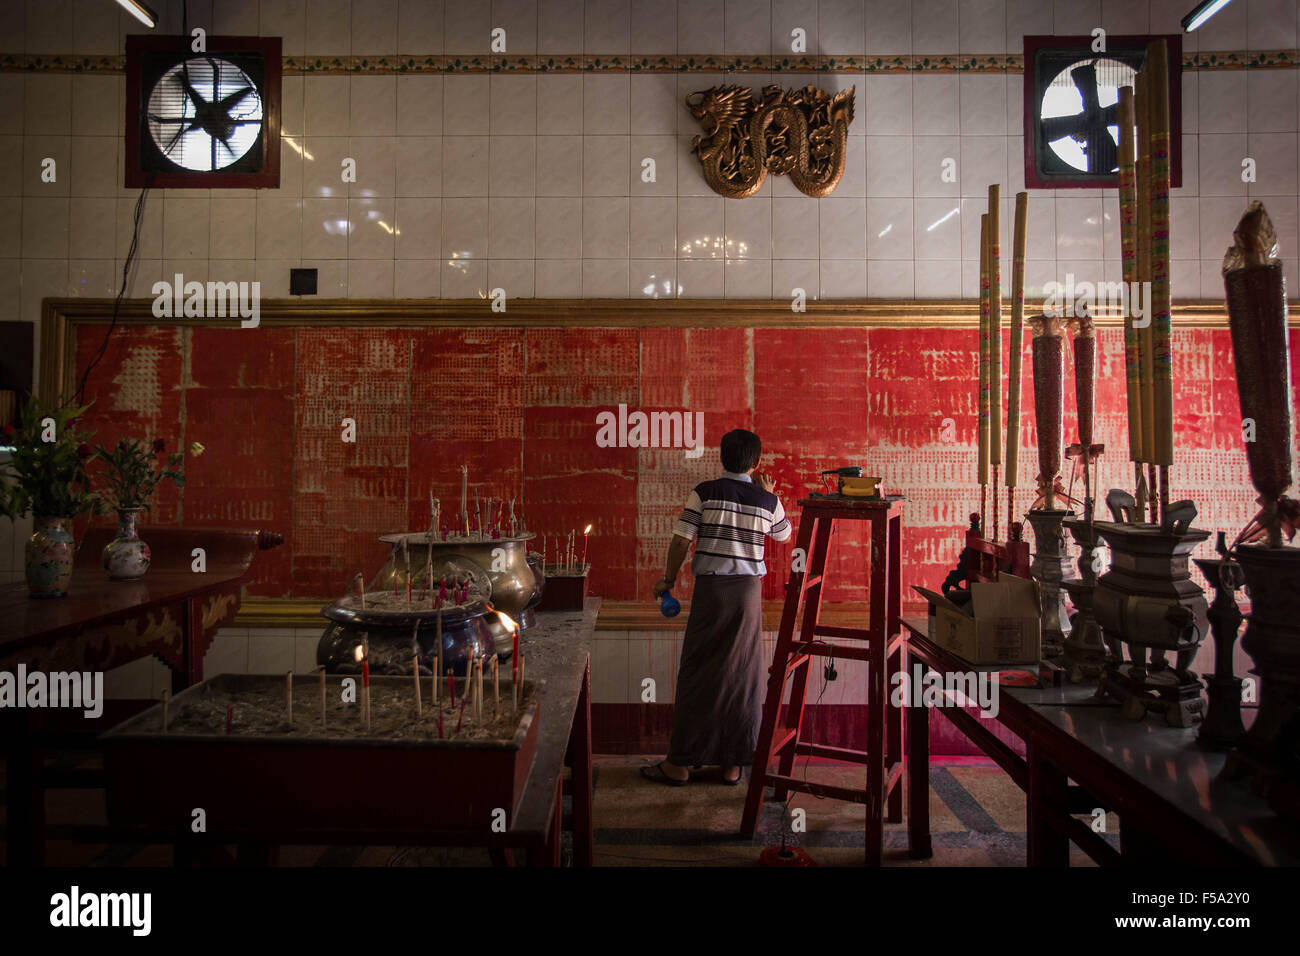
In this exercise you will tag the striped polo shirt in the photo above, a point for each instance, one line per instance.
(729, 517)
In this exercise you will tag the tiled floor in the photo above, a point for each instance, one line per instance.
(977, 818)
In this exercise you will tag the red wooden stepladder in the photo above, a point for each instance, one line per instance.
(799, 643)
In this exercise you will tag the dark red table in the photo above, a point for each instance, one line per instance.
(172, 612)
(1172, 806)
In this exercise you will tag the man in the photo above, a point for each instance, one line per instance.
(720, 682)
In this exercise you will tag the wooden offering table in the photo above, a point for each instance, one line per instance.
(398, 791)
(1166, 790)
(172, 612)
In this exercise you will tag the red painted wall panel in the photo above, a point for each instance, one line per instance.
(239, 403)
(136, 392)
(519, 408)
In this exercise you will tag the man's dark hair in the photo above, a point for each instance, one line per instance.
(740, 450)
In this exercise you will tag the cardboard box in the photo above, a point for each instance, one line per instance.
(1001, 626)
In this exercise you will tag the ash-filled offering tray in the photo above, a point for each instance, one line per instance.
(276, 779)
(261, 712)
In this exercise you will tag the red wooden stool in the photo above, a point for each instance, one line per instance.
(880, 645)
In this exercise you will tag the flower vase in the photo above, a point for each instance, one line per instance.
(126, 557)
(50, 551)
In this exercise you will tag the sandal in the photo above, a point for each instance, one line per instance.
(734, 783)
(656, 773)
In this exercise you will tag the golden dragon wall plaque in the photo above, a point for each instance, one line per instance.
(802, 133)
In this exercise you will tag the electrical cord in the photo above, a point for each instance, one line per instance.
(121, 292)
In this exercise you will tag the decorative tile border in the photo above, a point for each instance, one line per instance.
(652, 63)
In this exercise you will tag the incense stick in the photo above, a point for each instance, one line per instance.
(984, 367)
(1015, 351)
(415, 671)
(496, 685)
(1162, 330)
(1128, 247)
(1146, 361)
(995, 342)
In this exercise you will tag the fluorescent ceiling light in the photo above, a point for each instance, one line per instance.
(147, 16)
(1204, 10)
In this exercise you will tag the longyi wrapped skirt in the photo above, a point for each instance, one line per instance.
(719, 699)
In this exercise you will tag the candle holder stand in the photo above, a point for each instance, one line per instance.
(1051, 567)
(1268, 751)
(1084, 649)
(1148, 602)
(1222, 725)
(566, 588)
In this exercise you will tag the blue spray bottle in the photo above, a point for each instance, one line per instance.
(669, 606)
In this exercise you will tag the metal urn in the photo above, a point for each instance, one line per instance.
(516, 582)
(1051, 568)
(1084, 651)
(1270, 750)
(1149, 602)
(406, 629)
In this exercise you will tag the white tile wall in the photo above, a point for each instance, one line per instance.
(535, 182)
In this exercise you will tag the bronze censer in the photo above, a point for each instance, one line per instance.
(1148, 603)
(517, 578)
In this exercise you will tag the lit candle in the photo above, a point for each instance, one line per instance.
(363, 655)
(585, 531)
(288, 696)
